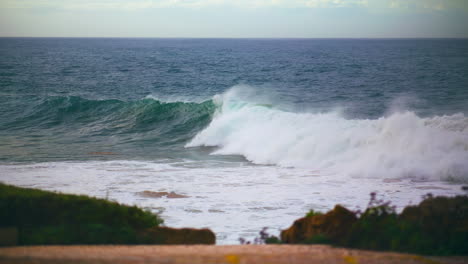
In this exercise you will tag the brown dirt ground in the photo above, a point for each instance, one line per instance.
(240, 254)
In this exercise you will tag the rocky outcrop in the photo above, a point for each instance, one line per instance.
(333, 225)
(171, 195)
(182, 236)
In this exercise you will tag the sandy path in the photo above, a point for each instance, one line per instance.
(271, 254)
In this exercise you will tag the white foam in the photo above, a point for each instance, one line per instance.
(234, 201)
(399, 145)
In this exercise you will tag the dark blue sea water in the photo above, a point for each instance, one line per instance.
(210, 112)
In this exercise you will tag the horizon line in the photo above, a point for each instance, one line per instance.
(259, 38)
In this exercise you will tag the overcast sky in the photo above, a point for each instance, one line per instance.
(235, 18)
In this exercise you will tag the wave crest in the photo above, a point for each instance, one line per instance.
(399, 145)
(148, 117)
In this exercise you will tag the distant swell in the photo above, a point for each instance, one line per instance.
(399, 145)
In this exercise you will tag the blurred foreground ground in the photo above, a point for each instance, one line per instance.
(239, 254)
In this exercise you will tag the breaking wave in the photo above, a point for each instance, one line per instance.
(401, 144)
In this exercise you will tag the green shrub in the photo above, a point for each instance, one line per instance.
(318, 239)
(52, 218)
(437, 226)
(313, 213)
(272, 240)
(77, 234)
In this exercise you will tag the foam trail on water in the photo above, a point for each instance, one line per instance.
(399, 145)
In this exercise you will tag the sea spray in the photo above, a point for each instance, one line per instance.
(401, 144)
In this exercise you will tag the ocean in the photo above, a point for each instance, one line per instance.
(255, 132)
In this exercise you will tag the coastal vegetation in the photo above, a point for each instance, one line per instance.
(42, 217)
(437, 226)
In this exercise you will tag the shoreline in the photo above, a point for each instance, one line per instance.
(203, 254)
(282, 202)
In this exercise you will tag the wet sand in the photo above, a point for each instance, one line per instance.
(239, 254)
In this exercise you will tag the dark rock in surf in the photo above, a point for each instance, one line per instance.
(171, 195)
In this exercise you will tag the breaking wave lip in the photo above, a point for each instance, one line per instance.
(399, 145)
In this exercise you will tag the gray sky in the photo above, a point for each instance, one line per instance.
(235, 18)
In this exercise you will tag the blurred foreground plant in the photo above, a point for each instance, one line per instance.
(437, 226)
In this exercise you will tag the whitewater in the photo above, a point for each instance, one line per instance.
(253, 133)
(275, 166)
(400, 144)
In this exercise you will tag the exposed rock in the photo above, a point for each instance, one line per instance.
(333, 225)
(215, 211)
(194, 211)
(174, 236)
(150, 194)
(102, 153)
(175, 195)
